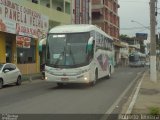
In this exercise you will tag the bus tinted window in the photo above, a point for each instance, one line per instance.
(67, 50)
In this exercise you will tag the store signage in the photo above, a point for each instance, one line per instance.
(17, 19)
(23, 42)
(141, 36)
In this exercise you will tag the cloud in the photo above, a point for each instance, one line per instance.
(133, 10)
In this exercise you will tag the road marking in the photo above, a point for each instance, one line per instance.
(115, 104)
(130, 108)
(110, 110)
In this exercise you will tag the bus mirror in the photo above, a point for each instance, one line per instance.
(90, 41)
(90, 44)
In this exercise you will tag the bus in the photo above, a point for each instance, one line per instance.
(78, 54)
(137, 59)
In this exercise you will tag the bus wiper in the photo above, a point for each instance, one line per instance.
(59, 58)
(71, 54)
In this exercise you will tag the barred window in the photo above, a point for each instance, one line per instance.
(27, 55)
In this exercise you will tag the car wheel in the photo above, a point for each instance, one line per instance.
(19, 81)
(1, 83)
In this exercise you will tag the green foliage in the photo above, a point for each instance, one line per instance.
(123, 37)
(154, 110)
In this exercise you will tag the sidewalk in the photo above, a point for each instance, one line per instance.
(148, 99)
(32, 76)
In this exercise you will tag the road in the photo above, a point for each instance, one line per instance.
(41, 97)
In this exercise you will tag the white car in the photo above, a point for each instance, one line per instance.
(9, 73)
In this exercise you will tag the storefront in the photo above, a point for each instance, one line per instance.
(20, 31)
(117, 47)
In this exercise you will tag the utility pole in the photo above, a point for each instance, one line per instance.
(153, 71)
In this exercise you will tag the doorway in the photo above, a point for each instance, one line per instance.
(9, 45)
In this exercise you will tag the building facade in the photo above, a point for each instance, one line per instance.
(58, 11)
(23, 24)
(81, 11)
(105, 15)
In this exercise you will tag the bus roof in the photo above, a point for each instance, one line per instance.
(74, 28)
(139, 54)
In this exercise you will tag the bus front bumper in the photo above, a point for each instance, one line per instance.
(83, 78)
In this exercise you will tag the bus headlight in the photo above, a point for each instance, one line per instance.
(86, 78)
(46, 78)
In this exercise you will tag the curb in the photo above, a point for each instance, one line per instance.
(135, 95)
(121, 98)
(31, 77)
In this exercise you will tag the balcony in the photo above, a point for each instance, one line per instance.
(99, 6)
(57, 10)
(59, 5)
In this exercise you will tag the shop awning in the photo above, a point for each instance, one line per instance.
(41, 43)
(119, 44)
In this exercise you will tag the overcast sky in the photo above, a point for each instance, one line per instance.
(137, 10)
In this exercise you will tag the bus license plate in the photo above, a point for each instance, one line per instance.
(64, 79)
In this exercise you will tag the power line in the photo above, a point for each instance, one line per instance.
(129, 1)
(132, 28)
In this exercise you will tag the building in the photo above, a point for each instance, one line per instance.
(105, 15)
(58, 11)
(81, 11)
(23, 24)
(134, 45)
(124, 52)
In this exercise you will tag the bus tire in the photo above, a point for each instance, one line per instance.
(109, 74)
(95, 78)
(60, 84)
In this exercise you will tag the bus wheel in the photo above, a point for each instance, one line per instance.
(95, 79)
(109, 74)
(60, 84)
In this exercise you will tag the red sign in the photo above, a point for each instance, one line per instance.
(23, 42)
(18, 19)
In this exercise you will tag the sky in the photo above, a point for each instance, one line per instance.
(137, 11)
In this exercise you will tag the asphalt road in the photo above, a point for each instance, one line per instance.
(41, 97)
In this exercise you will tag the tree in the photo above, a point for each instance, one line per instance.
(125, 38)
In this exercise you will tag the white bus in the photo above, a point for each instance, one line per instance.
(78, 54)
(137, 59)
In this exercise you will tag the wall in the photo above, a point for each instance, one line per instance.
(53, 14)
(2, 48)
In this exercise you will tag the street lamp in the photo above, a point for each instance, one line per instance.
(142, 36)
(141, 24)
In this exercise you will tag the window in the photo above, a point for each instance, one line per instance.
(48, 5)
(59, 8)
(103, 42)
(27, 55)
(35, 1)
(6, 67)
(67, 7)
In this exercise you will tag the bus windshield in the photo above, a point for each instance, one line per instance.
(67, 50)
(133, 58)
